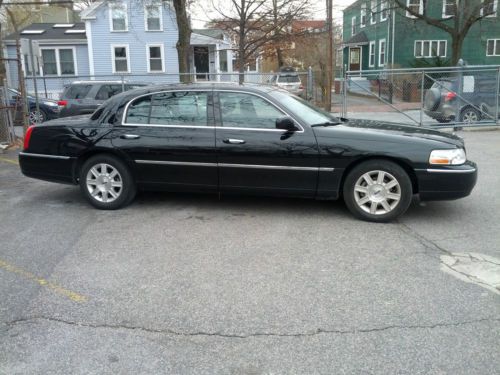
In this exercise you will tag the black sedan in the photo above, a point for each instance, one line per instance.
(226, 138)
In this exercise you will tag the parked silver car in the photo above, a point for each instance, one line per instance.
(288, 80)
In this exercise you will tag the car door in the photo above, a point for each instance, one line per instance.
(253, 156)
(170, 137)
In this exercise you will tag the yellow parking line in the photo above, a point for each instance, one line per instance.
(9, 161)
(42, 282)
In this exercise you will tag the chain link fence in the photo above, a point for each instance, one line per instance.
(7, 111)
(432, 97)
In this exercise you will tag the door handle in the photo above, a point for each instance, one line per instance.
(130, 136)
(234, 141)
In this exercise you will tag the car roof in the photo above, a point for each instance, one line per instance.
(228, 86)
(90, 82)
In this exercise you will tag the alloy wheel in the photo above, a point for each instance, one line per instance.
(104, 183)
(377, 192)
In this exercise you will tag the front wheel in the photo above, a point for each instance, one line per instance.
(378, 191)
(106, 182)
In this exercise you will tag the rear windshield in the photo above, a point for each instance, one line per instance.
(289, 79)
(443, 85)
(76, 91)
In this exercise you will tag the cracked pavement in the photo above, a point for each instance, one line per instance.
(190, 284)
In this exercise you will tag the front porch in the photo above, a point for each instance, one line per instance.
(211, 57)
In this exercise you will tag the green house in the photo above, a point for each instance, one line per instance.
(377, 35)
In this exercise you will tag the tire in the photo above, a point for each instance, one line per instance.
(470, 115)
(443, 120)
(380, 203)
(37, 117)
(106, 182)
(432, 99)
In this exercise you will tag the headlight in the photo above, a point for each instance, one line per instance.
(448, 157)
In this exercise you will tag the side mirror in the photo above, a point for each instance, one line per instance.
(285, 123)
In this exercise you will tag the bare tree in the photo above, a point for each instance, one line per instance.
(184, 39)
(252, 23)
(465, 13)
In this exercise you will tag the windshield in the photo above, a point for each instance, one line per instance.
(303, 109)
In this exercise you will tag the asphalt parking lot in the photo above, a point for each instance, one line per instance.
(196, 284)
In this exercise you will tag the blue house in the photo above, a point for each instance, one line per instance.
(130, 40)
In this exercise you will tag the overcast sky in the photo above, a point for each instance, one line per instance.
(201, 14)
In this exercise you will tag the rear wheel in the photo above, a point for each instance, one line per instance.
(378, 191)
(470, 116)
(106, 182)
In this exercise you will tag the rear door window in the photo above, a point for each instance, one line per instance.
(77, 91)
(169, 108)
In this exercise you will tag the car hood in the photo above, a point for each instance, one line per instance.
(370, 127)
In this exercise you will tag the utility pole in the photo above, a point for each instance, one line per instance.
(329, 21)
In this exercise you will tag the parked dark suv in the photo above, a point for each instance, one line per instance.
(478, 100)
(83, 97)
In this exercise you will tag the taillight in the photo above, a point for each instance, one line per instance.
(301, 87)
(450, 96)
(62, 103)
(27, 137)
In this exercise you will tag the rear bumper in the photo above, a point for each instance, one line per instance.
(447, 183)
(53, 168)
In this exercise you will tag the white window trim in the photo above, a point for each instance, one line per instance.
(127, 51)
(58, 62)
(495, 8)
(373, 12)
(420, 8)
(382, 64)
(148, 56)
(370, 50)
(495, 42)
(383, 7)
(363, 13)
(353, 25)
(110, 9)
(444, 15)
(430, 48)
(160, 6)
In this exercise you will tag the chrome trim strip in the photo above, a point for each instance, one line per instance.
(230, 165)
(45, 156)
(161, 162)
(451, 170)
(276, 167)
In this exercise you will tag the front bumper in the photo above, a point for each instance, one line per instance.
(447, 182)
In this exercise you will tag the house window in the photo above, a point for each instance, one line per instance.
(353, 26)
(493, 47)
(153, 17)
(489, 8)
(381, 52)
(120, 56)
(430, 48)
(416, 6)
(449, 8)
(373, 12)
(155, 58)
(118, 17)
(384, 12)
(49, 62)
(58, 61)
(363, 15)
(223, 60)
(371, 63)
